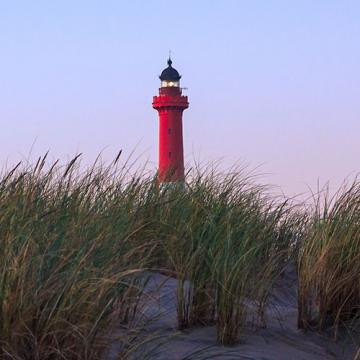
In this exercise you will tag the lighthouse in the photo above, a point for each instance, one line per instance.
(170, 104)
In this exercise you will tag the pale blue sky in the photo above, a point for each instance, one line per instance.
(275, 83)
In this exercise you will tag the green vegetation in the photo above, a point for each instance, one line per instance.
(329, 263)
(227, 243)
(75, 248)
(69, 255)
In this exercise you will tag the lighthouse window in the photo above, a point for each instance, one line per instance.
(167, 83)
(169, 131)
(169, 154)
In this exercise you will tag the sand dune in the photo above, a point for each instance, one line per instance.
(279, 340)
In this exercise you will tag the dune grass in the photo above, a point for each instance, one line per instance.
(226, 242)
(69, 255)
(329, 263)
(75, 245)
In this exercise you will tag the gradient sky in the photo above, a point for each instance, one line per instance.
(270, 83)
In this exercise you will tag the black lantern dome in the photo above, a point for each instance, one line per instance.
(169, 74)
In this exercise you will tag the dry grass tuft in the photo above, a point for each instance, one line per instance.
(329, 263)
(69, 258)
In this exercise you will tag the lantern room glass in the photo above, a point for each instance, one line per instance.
(170, 83)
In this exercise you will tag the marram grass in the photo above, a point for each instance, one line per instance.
(226, 242)
(69, 256)
(74, 246)
(329, 263)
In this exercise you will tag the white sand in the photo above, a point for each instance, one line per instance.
(280, 340)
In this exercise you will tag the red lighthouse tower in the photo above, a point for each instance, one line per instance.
(170, 103)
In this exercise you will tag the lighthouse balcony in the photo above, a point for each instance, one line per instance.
(178, 101)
